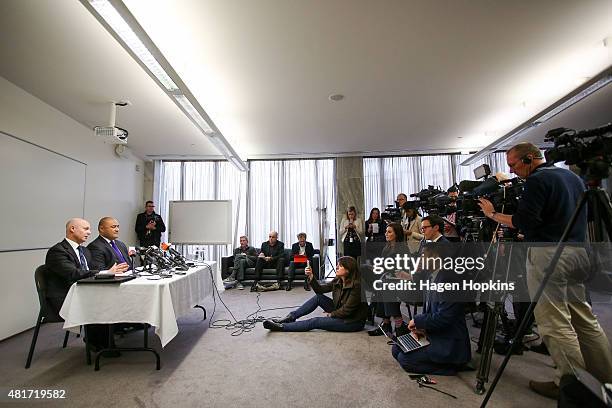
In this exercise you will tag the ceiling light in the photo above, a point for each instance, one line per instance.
(576, 96)
(193, 113)
(336, 97)
(118, 20)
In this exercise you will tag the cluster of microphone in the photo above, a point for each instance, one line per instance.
(165, 258)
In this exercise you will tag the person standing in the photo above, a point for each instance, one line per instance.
(351, 231)
(566, 322)
(149, 226)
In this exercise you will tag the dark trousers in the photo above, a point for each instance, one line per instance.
(388, 309)
(240, 266)
(292, 267)
(323, 323)
(278, 264)
(418, 362)
(352, 249)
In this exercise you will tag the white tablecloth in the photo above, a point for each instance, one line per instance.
(157, 302)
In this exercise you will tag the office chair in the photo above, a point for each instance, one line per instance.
(45, 315)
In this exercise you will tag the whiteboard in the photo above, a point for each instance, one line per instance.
(200, 222)
(40, 190)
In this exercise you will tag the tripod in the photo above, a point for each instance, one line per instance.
(599, 204)
(488, 331)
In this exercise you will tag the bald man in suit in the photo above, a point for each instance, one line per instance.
(107, 250)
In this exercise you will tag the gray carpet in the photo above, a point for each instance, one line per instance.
(207, 367)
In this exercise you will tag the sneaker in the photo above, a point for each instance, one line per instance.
(255, 287)
(239, 286)
(546, 388)
(272, 326)
(230, 284)
(381, 330)
(287, 319)
(274, 286)
(229, 279)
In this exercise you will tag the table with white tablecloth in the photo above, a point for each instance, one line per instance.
(141, 300)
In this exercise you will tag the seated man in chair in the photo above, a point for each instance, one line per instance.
(245, 257)
(303, 248)
(271, 256)
(67, 262)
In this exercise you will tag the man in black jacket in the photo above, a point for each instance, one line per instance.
(304, 248)
(67, 262)
(107, 250)
(149, 226)
(271, 256)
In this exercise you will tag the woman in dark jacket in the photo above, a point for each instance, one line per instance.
(375, 227)
(394, 234)
(345, 310)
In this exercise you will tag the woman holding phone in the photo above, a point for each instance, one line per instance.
(344, 311)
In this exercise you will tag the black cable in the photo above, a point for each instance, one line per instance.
(238, 326)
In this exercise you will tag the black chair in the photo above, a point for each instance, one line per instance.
(46, 314)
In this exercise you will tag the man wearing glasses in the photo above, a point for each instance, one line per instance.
(271, 256)
(569, 329)
(432, 227)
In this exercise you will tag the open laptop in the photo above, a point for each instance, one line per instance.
(408, 342)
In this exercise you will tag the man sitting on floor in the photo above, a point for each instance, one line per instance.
(443, 323)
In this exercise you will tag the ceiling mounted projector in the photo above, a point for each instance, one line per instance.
(113, 134)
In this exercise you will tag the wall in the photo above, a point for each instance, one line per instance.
(114, 187)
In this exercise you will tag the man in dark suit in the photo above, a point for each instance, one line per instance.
(271, 256)
(443, 322)
(107, 250)
(67, 262)
(149, 226)
(302, 247)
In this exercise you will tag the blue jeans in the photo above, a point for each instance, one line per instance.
(323, 323)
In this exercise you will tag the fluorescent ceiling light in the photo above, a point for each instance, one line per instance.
(120, 22)
(193, 113)
(588, 88)
(125, 32)
(574, 99)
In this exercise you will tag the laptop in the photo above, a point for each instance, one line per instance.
(408, 342)
(114, 279)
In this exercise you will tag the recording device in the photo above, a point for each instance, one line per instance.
(392, 213)
(590, 150)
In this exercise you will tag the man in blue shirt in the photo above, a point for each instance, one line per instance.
(569, 329)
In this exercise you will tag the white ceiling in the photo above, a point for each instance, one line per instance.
(418, 76)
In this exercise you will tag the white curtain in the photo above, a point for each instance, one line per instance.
(289, 196)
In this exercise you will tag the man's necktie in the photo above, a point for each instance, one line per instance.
(118, 252)
(82, 258)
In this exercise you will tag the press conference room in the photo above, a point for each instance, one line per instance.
(232, 203)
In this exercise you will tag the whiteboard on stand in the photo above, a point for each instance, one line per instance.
(200, 222)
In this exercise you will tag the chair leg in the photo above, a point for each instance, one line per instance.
(34, 338)
(66, 339)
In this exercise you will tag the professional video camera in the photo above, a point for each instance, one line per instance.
(504, 194)
(392, 213)
(590, 150)
(432, 201)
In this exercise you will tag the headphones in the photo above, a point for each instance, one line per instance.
(527, 160)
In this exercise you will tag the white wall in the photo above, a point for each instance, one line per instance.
(114, 187)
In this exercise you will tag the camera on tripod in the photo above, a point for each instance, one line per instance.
(431, 200)
(590, 150)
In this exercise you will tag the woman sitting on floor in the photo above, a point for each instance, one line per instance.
(345, 312)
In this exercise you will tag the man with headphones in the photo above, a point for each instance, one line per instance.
(565, 320)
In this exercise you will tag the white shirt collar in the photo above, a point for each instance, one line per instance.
(73, 244)
(106, 239)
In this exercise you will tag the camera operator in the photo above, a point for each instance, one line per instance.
(450, 231)
(569, 329)
(149, 226)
